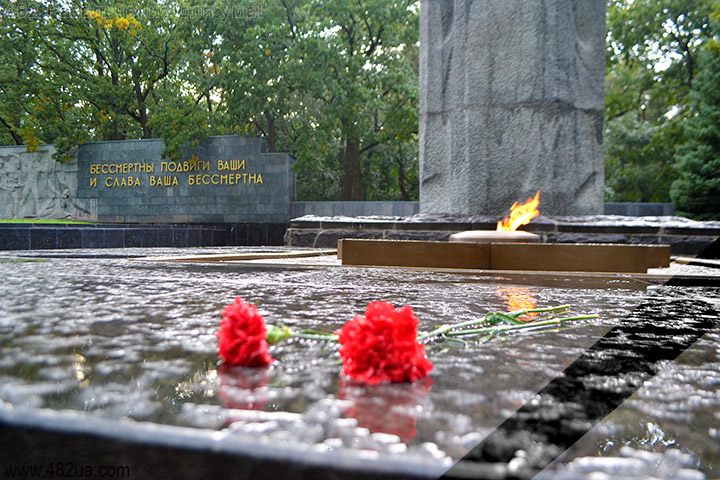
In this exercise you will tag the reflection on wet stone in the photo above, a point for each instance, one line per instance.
(116, 339)
(597, 383)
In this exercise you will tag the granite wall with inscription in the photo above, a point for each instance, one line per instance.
(226, 179)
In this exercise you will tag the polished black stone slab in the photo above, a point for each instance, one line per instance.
(51, 236)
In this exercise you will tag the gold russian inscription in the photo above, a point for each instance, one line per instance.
(112, 182)
(233, 165)
(225, 179)
(252, 178)
(121, 168)
(120, 174)
(163, 180)
(193, 165)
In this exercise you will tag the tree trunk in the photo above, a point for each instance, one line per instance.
(12, 130)
(142, 117)
(114, 132)
(401, 178)
(147, 132)
(271, 135)
(17, 138)
(352, 175)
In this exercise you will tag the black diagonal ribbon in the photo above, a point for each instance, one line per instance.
(594, 385)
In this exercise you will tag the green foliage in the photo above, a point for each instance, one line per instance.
(653, 50)
(652, 32)
(697, 192)
(23, 81)
(637, 166)
(332, 82)
(368, 89)
(97, 71)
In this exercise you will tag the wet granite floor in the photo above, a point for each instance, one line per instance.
(92, 334)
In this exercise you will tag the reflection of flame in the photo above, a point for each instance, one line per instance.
(386, 408)
(520, 214)
(517, 299)
(81, 370)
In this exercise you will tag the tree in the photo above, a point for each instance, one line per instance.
(332, 82)
(652, 62)
(125, 56)
(358, 47)
(17, 59)
(38, 105)
(99, 71)
(697, 192)
(258, 72)
(329, 81)
(661, 104)
(653, 33)
(637, 167)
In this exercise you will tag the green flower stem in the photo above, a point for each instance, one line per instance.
(559, 308)
(283, 332)
(317, 336)
(446, 328)
(503, 328)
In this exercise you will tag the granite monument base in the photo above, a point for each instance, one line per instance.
(42, 236)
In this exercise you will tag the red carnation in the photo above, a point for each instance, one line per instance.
(382, 346)
(242, 336)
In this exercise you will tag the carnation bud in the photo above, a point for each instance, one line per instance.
(277, 334)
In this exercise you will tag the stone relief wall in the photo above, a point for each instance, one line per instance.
(34, 185)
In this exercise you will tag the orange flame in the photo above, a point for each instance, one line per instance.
(520, 214)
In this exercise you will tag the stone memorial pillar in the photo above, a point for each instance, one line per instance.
(511, 102)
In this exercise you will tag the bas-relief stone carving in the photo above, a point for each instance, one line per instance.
(511, 102)
(34, 185)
